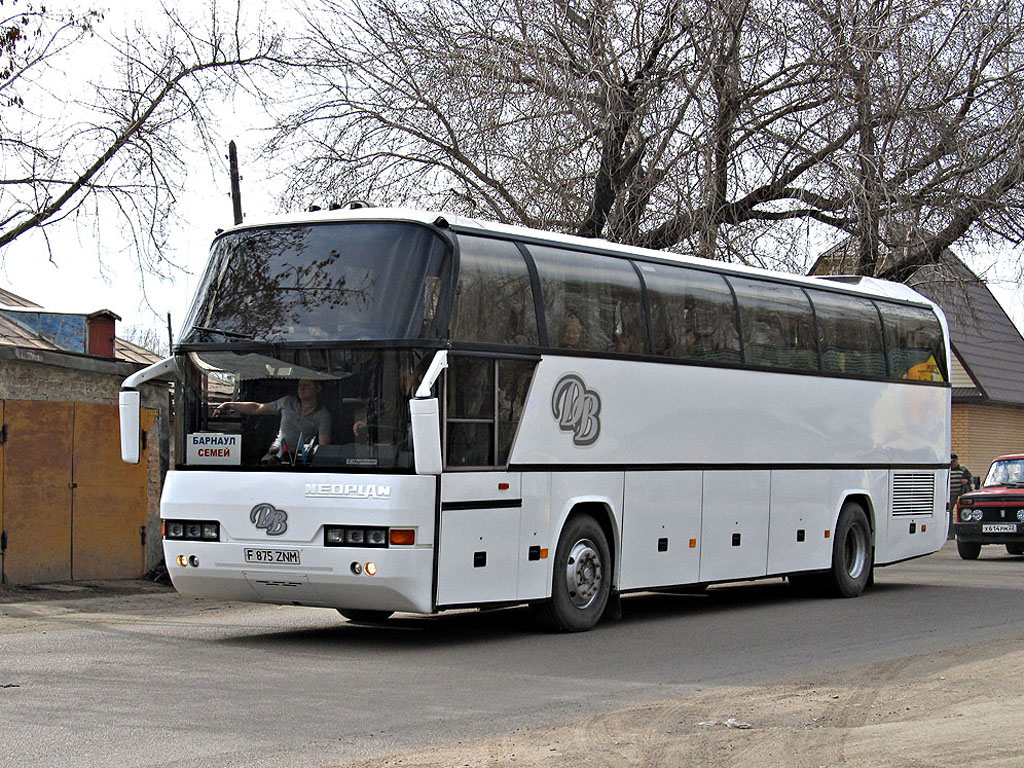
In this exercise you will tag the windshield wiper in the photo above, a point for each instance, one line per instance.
(226, 334)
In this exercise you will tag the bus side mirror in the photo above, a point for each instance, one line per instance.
(130, 407)
(426, 435)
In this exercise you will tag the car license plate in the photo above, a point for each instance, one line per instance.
(279, 556)
(998, 528)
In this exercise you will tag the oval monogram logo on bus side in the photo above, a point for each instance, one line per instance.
(267, 517)
(576, 409)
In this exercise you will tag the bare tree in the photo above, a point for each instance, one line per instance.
(116, 148)
(702, 125)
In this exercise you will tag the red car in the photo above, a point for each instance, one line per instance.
(994, 513)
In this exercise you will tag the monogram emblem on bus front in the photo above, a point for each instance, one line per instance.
(267, 517)
(576, 409)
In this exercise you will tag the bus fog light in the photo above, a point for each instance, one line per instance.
(193, 561)
(371, 569)
(357, 568)
(182, 560)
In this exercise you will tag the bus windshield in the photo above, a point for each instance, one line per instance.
(321, 282)
(297, 409)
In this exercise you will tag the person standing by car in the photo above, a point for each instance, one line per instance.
(959, 481)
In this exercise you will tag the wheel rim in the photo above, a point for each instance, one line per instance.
(856, 551)
(583, 573)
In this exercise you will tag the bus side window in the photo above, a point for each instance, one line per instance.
(776, 325)
(850, 334)
(591, 302)
(914, 344)
(494, 297)
(694, 314)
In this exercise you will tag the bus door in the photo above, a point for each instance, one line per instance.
(479, 540)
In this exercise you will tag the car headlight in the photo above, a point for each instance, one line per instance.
(977, 515)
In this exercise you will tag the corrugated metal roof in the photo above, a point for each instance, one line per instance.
(133, 353)
(8, 299)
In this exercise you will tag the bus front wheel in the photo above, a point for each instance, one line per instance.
(852, 552)
(582, 577)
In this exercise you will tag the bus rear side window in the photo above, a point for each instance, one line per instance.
(913, 342)
(494, 298)
(850, 333)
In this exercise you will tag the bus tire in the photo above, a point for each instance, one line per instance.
(364, 616)
(968, 550)
(852, 552)
(582, 577)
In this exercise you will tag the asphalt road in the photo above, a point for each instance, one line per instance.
(149, 678)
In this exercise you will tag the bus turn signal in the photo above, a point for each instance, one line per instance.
(403, 536)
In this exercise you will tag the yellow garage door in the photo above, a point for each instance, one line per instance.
(69, 507)
(110, 498)
(37, 491)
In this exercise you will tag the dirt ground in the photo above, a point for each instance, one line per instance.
(900, 713)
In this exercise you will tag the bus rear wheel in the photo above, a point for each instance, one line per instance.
(582, 577)
(363, 616)
(852, 552)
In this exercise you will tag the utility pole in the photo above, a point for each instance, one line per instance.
(236, 191)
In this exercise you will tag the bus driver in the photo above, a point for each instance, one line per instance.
(303, 417)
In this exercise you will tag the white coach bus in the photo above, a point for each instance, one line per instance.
(388, 410)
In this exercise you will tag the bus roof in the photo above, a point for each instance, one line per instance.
(867, 286)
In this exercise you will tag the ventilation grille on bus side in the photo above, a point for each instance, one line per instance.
(913, 494)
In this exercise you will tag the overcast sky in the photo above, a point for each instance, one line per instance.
(82, 279)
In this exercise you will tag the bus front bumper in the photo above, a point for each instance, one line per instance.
(397, 579)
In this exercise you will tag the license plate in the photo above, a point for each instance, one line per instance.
(998, 528)
(280, 556)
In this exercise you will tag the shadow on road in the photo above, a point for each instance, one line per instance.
(639, 611)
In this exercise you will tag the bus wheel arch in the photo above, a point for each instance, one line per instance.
(582, 570)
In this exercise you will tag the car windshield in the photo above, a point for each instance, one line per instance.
(331, 281)
(1006, 472)
(297, 409)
